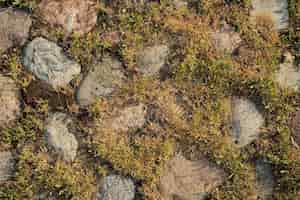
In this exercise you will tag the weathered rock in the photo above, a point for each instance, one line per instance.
(114, 187)
(226, 40)
(151, 60)
(288, 75)
(295, 127)
(10, 104)
(130, 118)
(264, 180)
(277, 10)
(72, 15)
(246, 121)
(14, 28)
(185, 179)
(59, 138)
(47, 62)
(102, 80)
(7, 166)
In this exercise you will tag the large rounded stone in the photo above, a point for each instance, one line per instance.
(72, 15)
(7, 166)
(10, 105)
(14, 28)
(246, 121)
(47, 62)
(186, 179)
(114, 187)
(277, 10)
(151, 60)
(59, 138)
(101, 81)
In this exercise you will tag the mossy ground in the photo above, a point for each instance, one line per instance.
(195, 124)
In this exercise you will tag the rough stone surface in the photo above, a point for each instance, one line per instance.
(288, 75)
(130, 118)
(14, 28)
(10, 105)
(246, 121)
(102, 80)
(47, 62)
(185, 179)
(114, 187)
(295, 126)
(226, 40)
(277, 10)
(7, 164)
(72, 15)
(59, 138)
(151, 60)
(264, 180)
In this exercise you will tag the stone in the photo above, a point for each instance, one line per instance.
(295, 128)
(186, 179)
(59, 138)
(151, 60)
(7, 166)
(47, 62)
(115, 187)
(264, 180)
(130, 118)
(277, 10)
(10, 103)
(75, 16)
(288, 75)
(226, 40)
(14, 28)
(101, 81)
(246, 121)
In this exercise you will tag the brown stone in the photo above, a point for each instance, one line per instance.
(14, 28)
(189, 180)
(76, 16)
(296, 127)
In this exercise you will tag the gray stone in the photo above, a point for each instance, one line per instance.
(59, 138)
(277, 10)
(130, 118)
(288, 75)
(186, 179)
(151, 60)
(264, 180)
(7, 166)
(114, 187)
(47, 62)
(14, 28)
(101, 81)
(10, 105)
(72, 15)
(246, 121)
(226, 40)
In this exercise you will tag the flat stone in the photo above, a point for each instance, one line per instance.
(14, 28)
(277, 10)
(246, 121)
(226, 40)
(151, 60)
(115, 187)
(72, 15)
(192, 180)
(264, 180)
(59, 138)
(7, 166)
(47, 62)
(101, 81)
(10, 104)
(288, 75)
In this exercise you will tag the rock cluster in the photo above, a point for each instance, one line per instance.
(186, 179)
(10, 104)
(59, 138)
(14, 28)
(47, 62)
